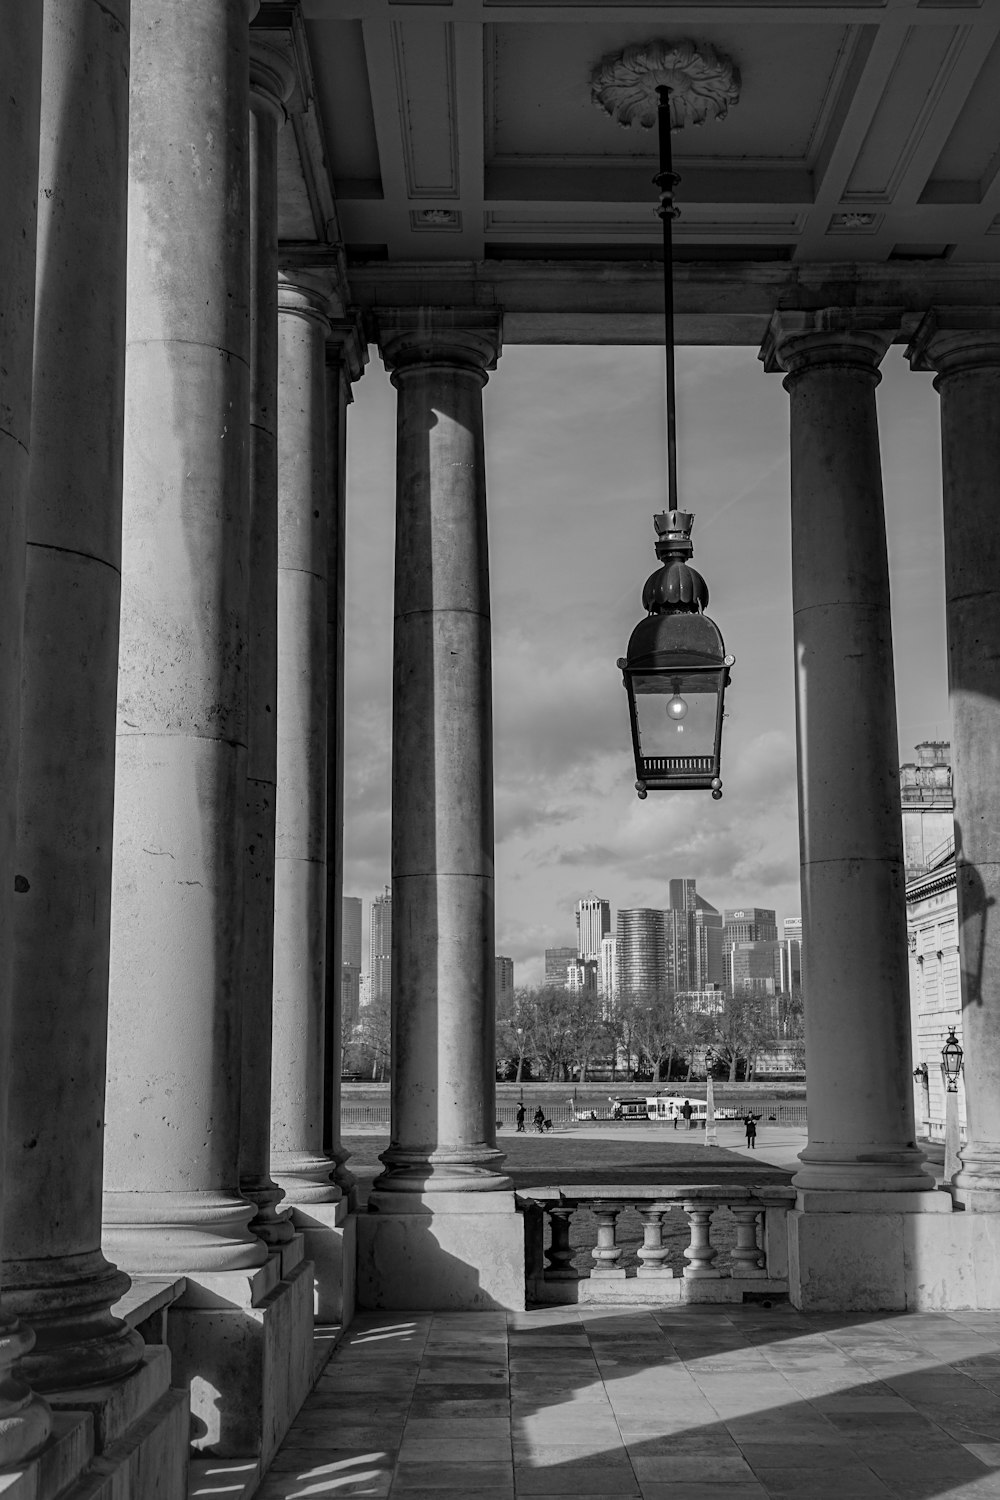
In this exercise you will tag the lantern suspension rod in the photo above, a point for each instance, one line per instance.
(666, 180)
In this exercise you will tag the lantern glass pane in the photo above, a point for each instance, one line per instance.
(676, 712)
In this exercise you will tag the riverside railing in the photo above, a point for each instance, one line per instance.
(754, 1264)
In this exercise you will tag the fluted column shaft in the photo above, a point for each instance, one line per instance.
(55, 1274)
(345, 357)
(270, 85)
(443, 1072)
(298, 1161)
(24, 1418)
(172, 1200)
(964, 348)
(861, 1128)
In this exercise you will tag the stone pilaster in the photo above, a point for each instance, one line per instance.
(443, 1073)
(298, 1161)
(346, 354)
(172, 1201)
(55, 1274)
(963, 346)
(270, 86)
(25, 1420)
(861, 1126)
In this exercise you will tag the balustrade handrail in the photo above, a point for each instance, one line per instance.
(764, 1193)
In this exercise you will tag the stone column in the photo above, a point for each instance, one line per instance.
(443, 1073)
(24, 1418)
(346, 354)
(963, 346)
(172, 1202)
(55, 1274)
(298, 1161)
(861, 1127)
(270, 85)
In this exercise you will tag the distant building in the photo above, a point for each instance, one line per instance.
(642, 959)
(607, 981)
(504, 975)
(750, 924)
(676, 931)
(557, 966)
(380, 949)
(582, 976)
(705, 965)
(754, 966)
(791, 955)
(709, 1000)
(928, 805)
(350, 984)
(932, 927)
(593, 924)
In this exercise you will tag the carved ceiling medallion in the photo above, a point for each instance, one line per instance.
(703, 83)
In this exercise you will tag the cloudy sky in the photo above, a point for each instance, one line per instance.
(575, 462)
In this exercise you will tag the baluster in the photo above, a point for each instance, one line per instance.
(559, 1255)
(606, 1252)
(746, 1259)
(701, 1252)
(652, 1252)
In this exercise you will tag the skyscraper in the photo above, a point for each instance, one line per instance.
(705, 958)
(350, 988)
(593, 923)
(503, 969)
(791, 955)
(607, 979)
(380, 949)
(643, 966)
(750, 924)
(557, 963)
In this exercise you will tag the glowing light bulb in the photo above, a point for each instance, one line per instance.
(677, 708)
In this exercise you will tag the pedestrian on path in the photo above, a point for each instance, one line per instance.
(520, 1117)
(687, 1110)
(538, 1119)
(751, 1129)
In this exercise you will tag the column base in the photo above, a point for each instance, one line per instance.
(473, 1169)
(862, 1170)
(59, 1464)
(66, 1302)
(174, 1234)
(269, 1226)
(438, 1250)
(329, 1233)
(304, 1178)
(25, 1419)
(245, 1347)
(976, 1185)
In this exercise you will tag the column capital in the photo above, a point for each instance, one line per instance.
(302, 295)
(951, 340)
(844, 337)
(347, 347)
(271, 78)
(468, 337)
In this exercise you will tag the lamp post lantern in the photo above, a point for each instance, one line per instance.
(676, 670)
(951, 1061)
(951, 1067)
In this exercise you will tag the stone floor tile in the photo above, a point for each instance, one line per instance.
(843, 1483)
(460, 1390)
(701, 1490)
(777, 1455)
(418, 1474)
(324, 1462)
(480, 1450)
(674, 1468)
(441, 1409)
(465, 1428)
(571, 1479)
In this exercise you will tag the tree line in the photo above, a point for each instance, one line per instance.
(557, 1035)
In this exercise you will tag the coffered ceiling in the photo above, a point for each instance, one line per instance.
(462, 137)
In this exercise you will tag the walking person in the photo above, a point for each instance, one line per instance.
(538, 1120)
(751, 1129)
(687, 1110)
(673, 1114)
(520, 1117)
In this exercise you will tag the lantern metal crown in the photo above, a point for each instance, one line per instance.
(676, 670)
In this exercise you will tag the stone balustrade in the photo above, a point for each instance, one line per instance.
(755, 1258)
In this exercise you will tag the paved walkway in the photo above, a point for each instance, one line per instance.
(668, 1404)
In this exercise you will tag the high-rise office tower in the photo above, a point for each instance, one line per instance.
(750, 924)
(503, 969)
(683, 895)
(791, 955)
(557, 965)
(705, 953)
(380, 949)
(593, 923)
(643, 964)
(350, 986)
(607, 979)
(676, 931)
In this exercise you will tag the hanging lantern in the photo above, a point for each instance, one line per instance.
(951, 1060)
(676, 673)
